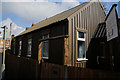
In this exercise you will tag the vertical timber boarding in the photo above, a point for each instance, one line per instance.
(70, 24)
(84, 20)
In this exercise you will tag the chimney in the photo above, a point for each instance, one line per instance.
(12, 36)
(27, 28)
(32, 25)
(10, 28)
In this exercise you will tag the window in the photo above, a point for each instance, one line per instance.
(81, 35)
(45, 47)
(81, 46)
(29, 48)
(20, 47)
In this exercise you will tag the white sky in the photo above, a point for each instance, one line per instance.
(22, 13)
(57, 0)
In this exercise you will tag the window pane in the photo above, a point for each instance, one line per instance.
(46, 36)
(20, 43)
(81, 35)
(81, 49)
(29, 46)
(19, 53)
(29, 41)
(20, 47)
(45, 48)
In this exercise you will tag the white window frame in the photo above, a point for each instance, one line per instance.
(81, 39)
(29, 44)
(43, 37)
(20, 48)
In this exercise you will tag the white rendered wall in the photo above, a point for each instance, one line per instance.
(111, 25)
(119, 9)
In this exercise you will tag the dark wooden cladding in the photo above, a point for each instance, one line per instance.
(61, 36)
(24, 46)
(88, 17)
(114, 51)
(56, 51)
(57, 33)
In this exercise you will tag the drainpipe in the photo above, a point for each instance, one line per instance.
(119, 9)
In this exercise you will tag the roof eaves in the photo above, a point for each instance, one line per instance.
(35, 29)
(102, 8)
(79, 8)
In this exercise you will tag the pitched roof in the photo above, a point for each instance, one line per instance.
(54, 19)
(100, 31)
(114, 5)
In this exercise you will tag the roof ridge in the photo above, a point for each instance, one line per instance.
(64, 12)
(58, 17)
(78, 8)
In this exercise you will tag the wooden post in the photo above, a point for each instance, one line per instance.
(66, 51)
(40, 52)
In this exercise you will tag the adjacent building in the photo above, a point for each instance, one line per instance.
(119, 9)
(8, 43)
(103, 51)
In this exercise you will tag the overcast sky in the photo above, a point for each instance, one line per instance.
(22, 13)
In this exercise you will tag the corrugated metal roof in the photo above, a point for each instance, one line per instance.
(54, 19)
(100, 31)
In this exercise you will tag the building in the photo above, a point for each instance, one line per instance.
(62, 39)
(119, 9)
(103, 51)
(2, 43)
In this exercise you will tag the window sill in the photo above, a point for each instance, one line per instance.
(44, 57)
(28, 55)
(18, 56)
(82, 59)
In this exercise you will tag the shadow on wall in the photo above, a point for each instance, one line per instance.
(97, 54)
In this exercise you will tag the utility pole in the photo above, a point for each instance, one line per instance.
(3, 61)
(10, 34)
(10, 29)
